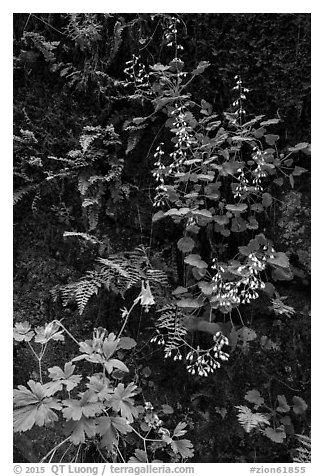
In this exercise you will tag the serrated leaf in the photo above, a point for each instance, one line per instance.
(298, 147)
(74, 409)
(300, 406)
(283, 406)
(186, 244)
(65, 377)
(253, 396)
(202, 213)
(122, 402)
(108, 427)
(78, 430)
(184, 447)
(269, 122)
(277, 436)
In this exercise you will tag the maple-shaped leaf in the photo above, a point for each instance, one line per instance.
(33, 406)
(140, 457)
(184, 447)
(100, 386)
(253, 396)
(50, 331)
(65, 377)
(179, 429)
(108, 427)
(87, 406)
(22, 332)
(122, 402)
(80, 429)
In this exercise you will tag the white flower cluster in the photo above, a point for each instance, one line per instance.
(185, 138)
(204, 362)
(171, 34)
(238, 102)
(151, 418)
(229, 294)
(136, 74)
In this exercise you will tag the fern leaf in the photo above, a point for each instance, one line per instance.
(19, 194)
(249, 420)
(85, 289)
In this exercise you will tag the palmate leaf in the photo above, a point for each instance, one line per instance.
(80, 429)
(277, 436)
(65, 377)
(184, 447)
(33, 406)
(100, 387)
(87, 406)
(109, 427)
(122, 402)
(253, 396)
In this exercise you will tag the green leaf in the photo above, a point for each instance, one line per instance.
(191, 303)
(112, 364)
(122, 402)
(298, 147)
(74, 409)
(34, 406)
(203, 213)
(201, 67)
(279, 259)
(65, 377)
(179, 290)
(253, 396)
(186, 244)
(140, 457)
(184, 447)
(283, 406)
(180, 430)
(300, 406)
(78, 430)
(167, 409)
(206, 288)
(236, 208)
(22, 332)
(266, 199)
(157, 216)
(298, 171)
(271, 139)
(269, 122)
(277, 436)
(195, 260)
(126, 343)
(109, 427)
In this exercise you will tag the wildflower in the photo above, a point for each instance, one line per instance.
(146, 297)
(22, 332)
(48, 332)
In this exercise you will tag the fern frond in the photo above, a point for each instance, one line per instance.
(92, 239)
(249, 420)
(19, 194)
(87, 288)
